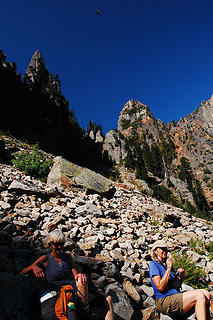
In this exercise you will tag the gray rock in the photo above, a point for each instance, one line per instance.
(121, 304)
(4, 205)
(89, 209)
(148, 290)
(24, 187)
(66, 174)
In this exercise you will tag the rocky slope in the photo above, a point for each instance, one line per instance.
(110, 239)
(158, 154)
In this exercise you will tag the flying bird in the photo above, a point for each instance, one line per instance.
(98, 12)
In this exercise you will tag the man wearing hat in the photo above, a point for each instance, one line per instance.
(168, 298)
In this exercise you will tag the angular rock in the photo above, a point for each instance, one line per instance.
(150, 314)
(24, 187)
(132, 292)
(67, 175)
(121, 304)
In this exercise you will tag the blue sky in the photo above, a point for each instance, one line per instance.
(159, 52)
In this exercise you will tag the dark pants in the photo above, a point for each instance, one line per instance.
(48, 310)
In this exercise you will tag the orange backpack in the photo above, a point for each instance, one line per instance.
(66, 297)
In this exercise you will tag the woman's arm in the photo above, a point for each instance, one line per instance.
(161, 283)
(35, 267)
(80, 277)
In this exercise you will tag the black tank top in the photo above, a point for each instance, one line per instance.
(57, 274)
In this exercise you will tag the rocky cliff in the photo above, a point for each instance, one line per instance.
(174, 161)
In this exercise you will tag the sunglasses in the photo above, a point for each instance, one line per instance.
(58, 244)
(163, 248)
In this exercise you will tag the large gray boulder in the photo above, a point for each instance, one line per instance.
(121, 304)
(67, 175)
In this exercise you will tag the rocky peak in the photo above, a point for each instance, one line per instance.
(34, 65)
(193, 134)
(203, 116)
(96, 136)
(133, 111)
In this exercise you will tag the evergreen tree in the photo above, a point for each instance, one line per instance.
(2, 56)
(199, 197)
(156, 163)
(141, 171)
(94, 127)
(185, 171)
(130, 158)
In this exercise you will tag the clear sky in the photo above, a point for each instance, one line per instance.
(159, 52)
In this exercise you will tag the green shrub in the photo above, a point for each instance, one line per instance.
(161, 193)
(207, 171)
(154, 221)
(193, 274)
(201, 247)
(209, 247)
(33, 163)
(197, 246)
(206, 179)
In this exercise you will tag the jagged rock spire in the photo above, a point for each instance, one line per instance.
(37, 72)
(131, 112)
(34, 64)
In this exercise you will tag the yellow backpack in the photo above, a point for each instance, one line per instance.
(66, 298)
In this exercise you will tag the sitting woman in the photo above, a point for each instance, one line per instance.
(58, 268)
(169, 300)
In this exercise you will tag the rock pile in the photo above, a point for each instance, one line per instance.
(109, 238)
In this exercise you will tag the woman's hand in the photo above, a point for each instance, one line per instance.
(181, 272)
(81, 278)
(38, 272)
(169, 263)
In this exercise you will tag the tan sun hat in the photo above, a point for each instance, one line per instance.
(159, 244)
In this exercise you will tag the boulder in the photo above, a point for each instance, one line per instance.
(68, 175)
(121, 304)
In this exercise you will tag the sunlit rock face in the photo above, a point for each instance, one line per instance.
(191, 138)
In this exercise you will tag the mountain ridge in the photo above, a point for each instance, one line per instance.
(162, 156)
